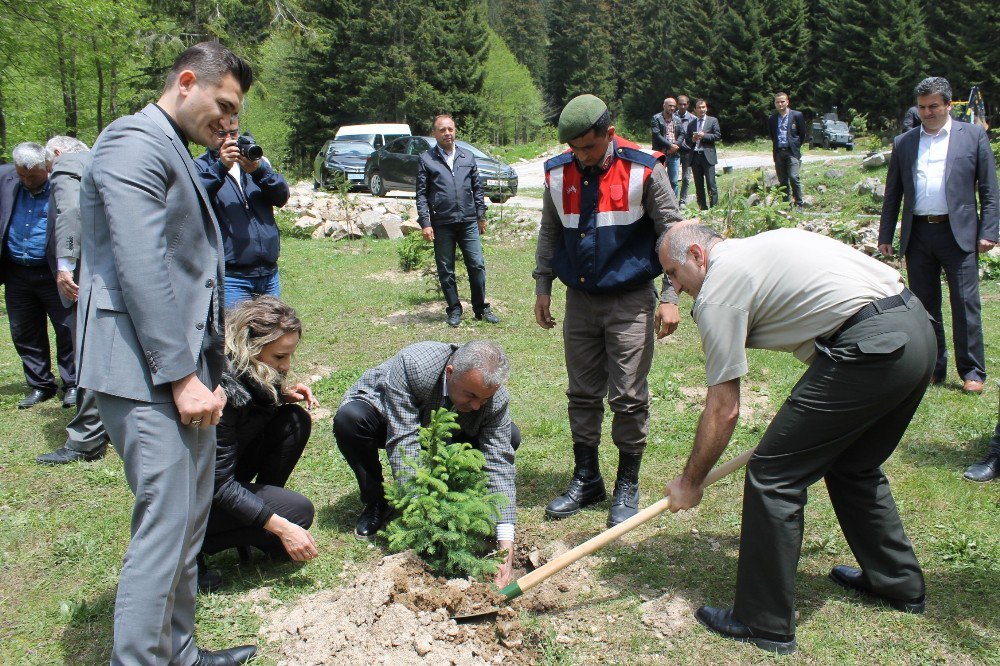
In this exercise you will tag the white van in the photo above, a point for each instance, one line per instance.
(377, 134)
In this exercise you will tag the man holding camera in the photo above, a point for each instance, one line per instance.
(244, 190)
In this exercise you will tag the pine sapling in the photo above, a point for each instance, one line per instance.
(446, 512)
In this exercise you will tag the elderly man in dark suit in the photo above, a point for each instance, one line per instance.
(451, 210)
(666, 139)
(30, 293)
(935, 173)
(702, 133)
(68, 158)
(787, 129)
(386, 407)
(151, 343)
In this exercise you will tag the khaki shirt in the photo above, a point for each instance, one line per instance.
(780, 290)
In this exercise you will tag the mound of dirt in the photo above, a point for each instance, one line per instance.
(668, 615)
(397, 615)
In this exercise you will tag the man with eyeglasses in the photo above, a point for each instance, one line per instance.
(244, 193)
(935, 173)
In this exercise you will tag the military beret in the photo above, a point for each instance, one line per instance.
(579, 115)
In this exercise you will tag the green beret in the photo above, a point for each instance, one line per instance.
(579, 115)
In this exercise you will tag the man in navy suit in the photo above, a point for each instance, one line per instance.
(936, 171)
(787, 129)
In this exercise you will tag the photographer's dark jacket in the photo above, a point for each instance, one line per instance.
(246, 217)
(249, 407)
(446, 197)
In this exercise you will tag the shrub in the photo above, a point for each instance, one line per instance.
(446, 512)
(415, 253)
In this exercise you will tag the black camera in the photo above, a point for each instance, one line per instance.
(248, 147)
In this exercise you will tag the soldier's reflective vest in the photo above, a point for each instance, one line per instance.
(608, 241)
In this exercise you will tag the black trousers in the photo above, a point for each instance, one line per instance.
(264, 467)
(931, 248)
(360, 432)
(843, 419)
(704, 175)
(30, 296)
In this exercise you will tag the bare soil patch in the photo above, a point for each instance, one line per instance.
(397, 615)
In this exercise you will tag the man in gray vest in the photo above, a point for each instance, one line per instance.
(151, 343)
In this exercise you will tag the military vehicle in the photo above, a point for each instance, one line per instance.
(830, 131)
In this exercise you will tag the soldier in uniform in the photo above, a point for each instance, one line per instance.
(604, 205)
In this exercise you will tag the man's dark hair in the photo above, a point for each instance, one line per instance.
(699, 101)
(211, 61)
(438, 117)
(934, 85)
(601, 125)
(780, 93)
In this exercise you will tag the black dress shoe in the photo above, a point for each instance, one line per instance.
(488, 316)
(34, 397)
(372, 519)
(64, 455)
(229, 657)
(209, 580)
(851, 579)
(454, 318)
(69, 398)
(722, 622)
(985, 470)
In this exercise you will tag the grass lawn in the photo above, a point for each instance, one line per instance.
(63, 531)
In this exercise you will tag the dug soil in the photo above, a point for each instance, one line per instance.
(398, 615)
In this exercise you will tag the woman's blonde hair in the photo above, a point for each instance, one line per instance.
(250, 326)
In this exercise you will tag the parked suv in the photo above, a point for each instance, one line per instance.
(394, 167)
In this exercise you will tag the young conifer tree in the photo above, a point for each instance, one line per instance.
(446, 512)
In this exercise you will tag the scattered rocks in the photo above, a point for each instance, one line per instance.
(873, 187)
(329, 215)
(831, 174)
(770, 177)
(821, 188)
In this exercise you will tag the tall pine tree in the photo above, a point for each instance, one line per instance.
(745, 68)
(579, 54)
(523, 27)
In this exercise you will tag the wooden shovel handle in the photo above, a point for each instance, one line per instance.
(529, 580)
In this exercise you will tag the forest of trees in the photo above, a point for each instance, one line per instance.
(503, 68)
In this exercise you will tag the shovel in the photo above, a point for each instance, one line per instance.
(554, 566)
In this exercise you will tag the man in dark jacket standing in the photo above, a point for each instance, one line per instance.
(451, 211)
(787, 129)
(666, 141)
(244, 193)
(700, 136)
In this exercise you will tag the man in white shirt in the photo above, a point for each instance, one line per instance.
(870, 352)
(935, 173)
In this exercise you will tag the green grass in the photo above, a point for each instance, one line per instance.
(522, 151)
(63, 531)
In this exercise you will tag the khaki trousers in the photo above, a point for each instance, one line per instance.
(608, 340)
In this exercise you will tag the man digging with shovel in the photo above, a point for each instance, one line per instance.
(870, 350)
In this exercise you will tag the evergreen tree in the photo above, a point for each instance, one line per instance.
(523, 27)
(789, 34)
(579, 52)
(696, 35)
(962, 37)
(745, 63)
(651, 65)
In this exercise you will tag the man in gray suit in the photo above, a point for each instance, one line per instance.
(701, 135)
(387, 405)
(85, 436)
(150, 343)
(935, 172)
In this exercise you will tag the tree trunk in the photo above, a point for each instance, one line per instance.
(3, 125)
(113, 91)
(100, 85)
(66, 74)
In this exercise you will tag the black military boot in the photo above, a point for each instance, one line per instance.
(586, 486)
(625, 501)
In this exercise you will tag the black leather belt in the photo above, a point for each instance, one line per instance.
(930, 219)
(874, 308)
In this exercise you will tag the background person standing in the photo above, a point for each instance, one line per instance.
(666, 141)
(30, 292)
(702, 133)
(787, 129)
(244, 194)
(935, 174)
(452, 212)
